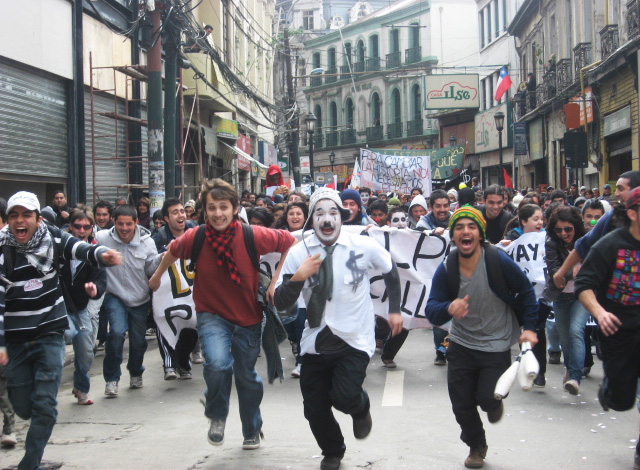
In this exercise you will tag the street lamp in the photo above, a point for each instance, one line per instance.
(311, 126)
(332, 159)
(499, 118)
(452, 140)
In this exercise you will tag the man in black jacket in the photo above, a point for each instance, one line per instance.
(81, 282)
(494, 214)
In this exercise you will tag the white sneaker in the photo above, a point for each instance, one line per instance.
(296, 372)
(111, 389)
(8, 440)
(197, 357)
(136, 382)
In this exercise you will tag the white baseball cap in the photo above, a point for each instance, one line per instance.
(25, 199)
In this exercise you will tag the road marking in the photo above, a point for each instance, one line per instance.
(393, 388)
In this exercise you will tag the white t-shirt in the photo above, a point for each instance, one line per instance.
(349, 313)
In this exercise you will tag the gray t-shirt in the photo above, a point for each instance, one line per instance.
(490, 324)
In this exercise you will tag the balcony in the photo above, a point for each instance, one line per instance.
(346, 73)
(373, 64)
(413, 55)
(316, 80)
(317, 140)
(563, 74)
(633, 19)
(609, 40)
(332, 139)
(394, 130)
(581, 58)
(540, 94)
(348, 136)
(375, 134)
(549, 82)
(393, 60)
(414, 127)
(331, 75)
(358, 66)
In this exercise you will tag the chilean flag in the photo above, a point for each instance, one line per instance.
(504, 83)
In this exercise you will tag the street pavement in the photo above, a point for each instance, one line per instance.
(162, 425)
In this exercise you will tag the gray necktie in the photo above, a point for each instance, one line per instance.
(322, 292)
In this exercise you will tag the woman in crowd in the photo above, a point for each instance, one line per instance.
(144, 216)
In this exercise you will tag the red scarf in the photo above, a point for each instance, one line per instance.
(221, 244)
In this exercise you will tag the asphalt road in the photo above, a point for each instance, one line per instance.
(162, 425)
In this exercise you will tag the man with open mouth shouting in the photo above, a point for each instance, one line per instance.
(331, 269)
(479, 288)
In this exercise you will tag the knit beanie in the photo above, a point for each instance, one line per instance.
(394, 201)
(351, 194)
(468, 212)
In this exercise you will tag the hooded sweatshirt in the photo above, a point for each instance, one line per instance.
(274, 169)
(418, 200)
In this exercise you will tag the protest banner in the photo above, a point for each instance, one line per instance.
(395, 173)
(528, 252)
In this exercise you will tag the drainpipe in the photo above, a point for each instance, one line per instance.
(582, 70)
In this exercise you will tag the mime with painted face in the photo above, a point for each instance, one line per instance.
(331, 269)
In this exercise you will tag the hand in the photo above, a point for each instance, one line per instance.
(366, 229)
(154, 283)
(438, 231)
(64, 214)
(505, 242)
(395, 323)
(91, 289)
(559, 281)
(308, 268)
(459, 308)
(530, 336)
(271, 291)
(4, 357)
(111, 258)
(608, 323)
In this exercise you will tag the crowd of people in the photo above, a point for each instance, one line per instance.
(94, 276)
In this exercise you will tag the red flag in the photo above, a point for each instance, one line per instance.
(507, 180)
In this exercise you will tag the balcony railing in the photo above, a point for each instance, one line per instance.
(331, 75)
(393, 60)
(609, 40)
(316, 80)
(581, 58)
(375, 133)
(540, 94)
(414, 127)
(394, 130)
(348, 136)
(332, 139)
(373, 64)
(563, 74)
(358, 67)
(413, 55)
(633, 19)
(549, 82)
(317, 140)
(346, 73)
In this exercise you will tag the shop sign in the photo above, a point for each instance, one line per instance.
(617, 121)
(519, 138)
(535, 140)
(305, 166)
(451, 91)
(486, 132)
(226, 128)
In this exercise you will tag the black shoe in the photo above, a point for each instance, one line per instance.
(215, 436)
(602, 400)
(440, 360)
(495, 416)
(362, 426)
(476, 457)
(636, 462)
(539, 381)
(554, 358)
(330, 463)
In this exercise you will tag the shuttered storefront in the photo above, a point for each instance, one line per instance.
(33, 125)
(109, 173)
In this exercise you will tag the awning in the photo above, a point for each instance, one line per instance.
(243, 154)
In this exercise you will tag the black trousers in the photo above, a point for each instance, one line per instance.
(540, 349)
(472, 377)
(621, 364)
(178, 357)
(333, 380)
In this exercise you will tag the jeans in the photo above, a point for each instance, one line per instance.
(571, 320)
(294, 330)
(553, 339)
(121, 319)
(9, 416)
(229, 350)
(33, 373)
(80, 333)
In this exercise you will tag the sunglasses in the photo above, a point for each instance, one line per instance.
(559, 230)
(80, 227)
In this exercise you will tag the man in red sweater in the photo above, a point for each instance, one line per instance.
(228, 315)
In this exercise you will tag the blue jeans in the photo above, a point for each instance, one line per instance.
(80, 333)
(33, 374)
(553, 340)
(229, 350)
(123, 318)
(571, 320)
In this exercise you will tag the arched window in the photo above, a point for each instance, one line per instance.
(348, 113)
(333, 117)
(360, 51)
(375, 110)
(396, 115)
(416, 103)
(317, 111)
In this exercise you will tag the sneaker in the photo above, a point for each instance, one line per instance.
(566, 377)
(554, 357)
(111, 389)
(362, 426)
(215, 436)
(150, 332)
(83, 398)
(572, 386)
(476, 457)
(136, 382)
(197, 357)
(294, 348)
(184, 374)
(330, 463)
(496, 415)
(601, 399)
(389, 364)
(440, 360)
(252, 442)
(170, 373)
(539, 381)
(8, 440)
(296, 372)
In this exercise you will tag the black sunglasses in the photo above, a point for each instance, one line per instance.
(566, 229)
(79, 227)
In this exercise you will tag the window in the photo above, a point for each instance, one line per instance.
(481, 28)
(226, 38)
(302, 71)
(307, 20)
(490, 81)
(395, 106)
(483, 105)
(497, 15)
(375, 109)
(488, 23)
(348, 113)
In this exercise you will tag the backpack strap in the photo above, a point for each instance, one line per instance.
(198, 241)
(9, 253)
(494, 269)
(453, 272)
(250, 245)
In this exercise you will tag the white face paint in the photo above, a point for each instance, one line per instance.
(326, 221)
(365, 198)
(398, 220)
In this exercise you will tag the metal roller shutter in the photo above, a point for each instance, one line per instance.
(33, 123)
(113, 172)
